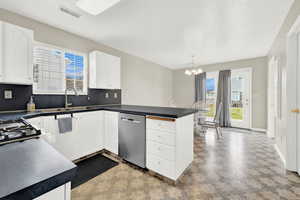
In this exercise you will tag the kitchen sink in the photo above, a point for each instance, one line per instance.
(65, 109)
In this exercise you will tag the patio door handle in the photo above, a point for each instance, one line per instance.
(297, 111)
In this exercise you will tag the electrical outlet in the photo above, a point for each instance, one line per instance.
(106, 95)
(8, 94)
(115, 95)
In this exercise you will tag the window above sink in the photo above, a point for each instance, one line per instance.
(57, 69)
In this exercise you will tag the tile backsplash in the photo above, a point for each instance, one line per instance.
(21, 95)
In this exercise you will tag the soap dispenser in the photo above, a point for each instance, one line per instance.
(31, 105)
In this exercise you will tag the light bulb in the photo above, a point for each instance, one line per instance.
(187, 72)
(200, 71)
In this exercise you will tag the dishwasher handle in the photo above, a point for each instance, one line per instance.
(130, 120)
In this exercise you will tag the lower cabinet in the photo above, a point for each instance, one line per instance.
(91, 132)
(89, 127)
(86, 137)
(169, 144)
(61, 193)
(111, 131)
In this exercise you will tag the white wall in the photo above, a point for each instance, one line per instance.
(183, 86)
(278, 50)
(143, 82)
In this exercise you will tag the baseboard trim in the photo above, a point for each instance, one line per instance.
(259, 130)
(280, 155)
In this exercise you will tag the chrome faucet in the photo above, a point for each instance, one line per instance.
(67, 104)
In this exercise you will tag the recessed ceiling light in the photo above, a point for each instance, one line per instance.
(95, 7)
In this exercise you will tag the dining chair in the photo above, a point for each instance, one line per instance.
(215, 123)
(199, 117)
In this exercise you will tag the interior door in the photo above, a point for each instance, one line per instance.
(240, 108)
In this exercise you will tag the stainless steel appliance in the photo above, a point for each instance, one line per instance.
(17, 130)
(132, 139)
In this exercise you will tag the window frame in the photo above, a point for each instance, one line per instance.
(63, 50)
(212, 75)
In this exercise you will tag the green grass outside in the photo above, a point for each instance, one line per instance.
(211, 110)
(236, 113)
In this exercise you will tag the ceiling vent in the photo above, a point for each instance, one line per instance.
(69, 12)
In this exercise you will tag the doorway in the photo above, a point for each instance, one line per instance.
(240, 107)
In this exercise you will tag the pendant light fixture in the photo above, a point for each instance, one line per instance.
(193, 70)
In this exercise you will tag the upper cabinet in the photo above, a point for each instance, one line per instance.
(104, 71)
(16, 44)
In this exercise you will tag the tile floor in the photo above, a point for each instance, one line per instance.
(241, 165)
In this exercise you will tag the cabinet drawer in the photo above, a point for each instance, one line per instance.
(162, 125)
(161, 166)
(161, 150)
(161, 137)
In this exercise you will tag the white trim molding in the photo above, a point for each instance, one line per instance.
(295, 28)
(259, 130)
(280, 155)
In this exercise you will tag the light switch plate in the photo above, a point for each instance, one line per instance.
(8, 94)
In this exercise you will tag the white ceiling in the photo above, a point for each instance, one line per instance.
(169, 32)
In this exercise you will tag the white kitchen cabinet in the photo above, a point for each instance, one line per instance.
(61, 193)
(89, 132)
(64, 143)
(36, 122)
(111, 133)
(16, 59)
(169, 145)
(104, 71)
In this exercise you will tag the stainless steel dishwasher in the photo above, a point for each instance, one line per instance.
(132, 139)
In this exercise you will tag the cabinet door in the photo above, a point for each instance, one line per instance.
(65, 143)
(111, 131)
(98, 69)
(36, 122)
(89, 132)
(104, 71)
(17, 54)
(60, 193)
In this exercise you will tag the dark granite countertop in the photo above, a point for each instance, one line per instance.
(151, 110)
(32, 168)
(130, 109)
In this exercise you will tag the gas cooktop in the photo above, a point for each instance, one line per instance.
(17, 130)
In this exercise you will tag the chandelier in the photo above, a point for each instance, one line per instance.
(193, 70)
